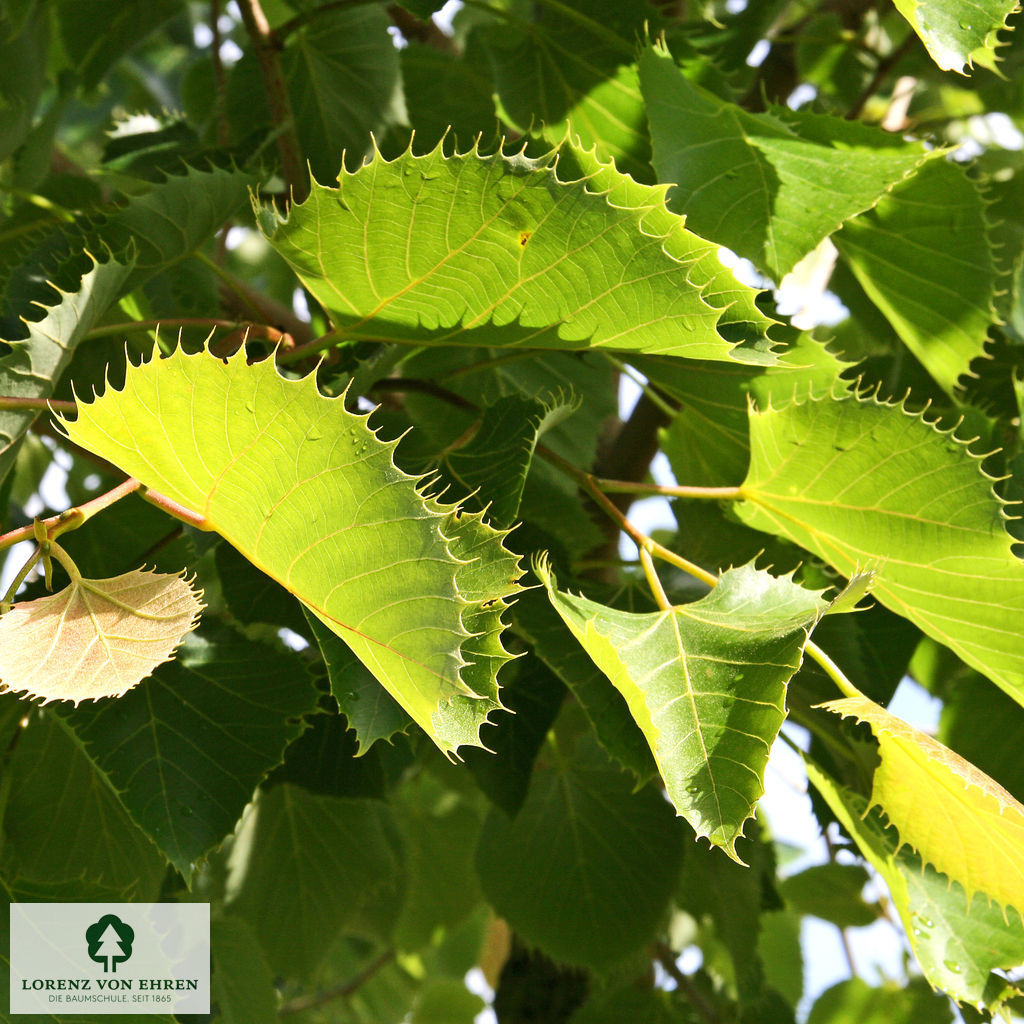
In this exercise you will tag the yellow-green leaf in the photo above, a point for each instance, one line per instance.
(308, 493)
(95, 638)
(956, 818)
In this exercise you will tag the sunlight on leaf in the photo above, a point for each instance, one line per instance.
(770, 186)
(95, 638)
(859, 482)
(959, 943)
(958, 35)
(508, 250)
(952, 814)
(706, 682)
(415, 588)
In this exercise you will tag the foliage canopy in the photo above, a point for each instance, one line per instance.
(318, 339)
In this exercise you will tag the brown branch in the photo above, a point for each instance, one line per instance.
(219, 78)
(425, 32)
(267, 47)
(237, 297)
(424, 387)
(340, 991)
(885, 65)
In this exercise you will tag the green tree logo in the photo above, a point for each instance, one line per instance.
(110, 942)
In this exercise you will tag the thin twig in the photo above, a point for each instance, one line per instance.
(885, 65)
(219, 77)
(340, 991)
(668, 491)
(267, 46)
(425, 387)
(696, 998)
(254, 330)
(72, 518)
(14, 403)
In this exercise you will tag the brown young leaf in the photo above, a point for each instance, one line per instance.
(95, 638)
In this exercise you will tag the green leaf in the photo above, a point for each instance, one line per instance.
(448, 93)
(371, 710)
(186, 749)
(241, 984)
(924, 257)
(832, 892)
(497, 457)
(923, 516)
(732, 896)
(855, 1000)
(23, 45)
(574, 64)
(300, 868)
(781, 955)
(954, 816)
(986, 727)
(431, 635)
(958, 943)
(958, 36)
(172, 219)
(446, 1001)
(344, 81)
(157, 229)
(95, 638)
(63, 821)
(708, 441)
(769, 186)
(439, 835)
(34, 365)
(636, 1005)
(605, 708)
(610, 887)
(95, 33)
(497, 250)
(533, 694)
(706, 682)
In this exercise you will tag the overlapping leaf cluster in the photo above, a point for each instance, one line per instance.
(353, 318)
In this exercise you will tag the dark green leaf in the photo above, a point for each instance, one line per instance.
(584, 894)
(832, 892)
(855, 1000)
(63, 821)
(187, 747)
(33, 366)
(924, 258)
(241, 986)
(302, 866)
(769, 186)
(371, 711)
(604, 706)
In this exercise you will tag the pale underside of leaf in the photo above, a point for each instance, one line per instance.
(499, 251)
(706, 683)
(860, 483)
(95, 638)
(305, 490)
(957, 818)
